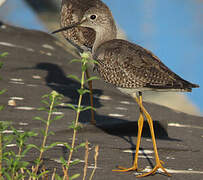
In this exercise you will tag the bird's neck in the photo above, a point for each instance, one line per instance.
(103, 35)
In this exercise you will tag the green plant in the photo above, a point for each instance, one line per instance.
(12, 165)
(83, 61)
(1, 64)
(51, 101)
(12, 160)
(1, 56)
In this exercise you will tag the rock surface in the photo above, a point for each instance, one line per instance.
(38, 63)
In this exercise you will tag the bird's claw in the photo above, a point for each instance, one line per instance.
(123, 169)
(154, 170)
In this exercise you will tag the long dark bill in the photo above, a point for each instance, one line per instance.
(66, 28)
(71, 26)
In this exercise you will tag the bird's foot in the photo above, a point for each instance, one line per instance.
(159, 164)
(123, 169)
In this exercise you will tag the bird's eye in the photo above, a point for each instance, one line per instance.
(93, 17)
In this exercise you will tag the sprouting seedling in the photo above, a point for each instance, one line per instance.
(1, 56)
(83, 61)
(1, 64)
(12, 165)
(50, 100)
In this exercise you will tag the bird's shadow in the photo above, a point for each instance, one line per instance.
(57, 80)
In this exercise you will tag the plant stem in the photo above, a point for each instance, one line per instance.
(95, 161)
(76, 120)
(91, 98)
(86, 159)
(46, 132)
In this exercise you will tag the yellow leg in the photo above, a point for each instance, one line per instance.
(159, 163)
(140, 126)
(91, 98)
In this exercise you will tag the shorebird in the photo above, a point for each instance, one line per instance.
(132, 69)
(80, 37)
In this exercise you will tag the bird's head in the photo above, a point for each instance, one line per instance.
(99, 19)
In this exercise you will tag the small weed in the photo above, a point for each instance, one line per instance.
(1, 65)
(84, 61)
(50, 101)
(13, 165)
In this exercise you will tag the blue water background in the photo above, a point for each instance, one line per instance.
(172, 29)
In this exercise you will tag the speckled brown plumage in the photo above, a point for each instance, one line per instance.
(71, 12)
(128, 65)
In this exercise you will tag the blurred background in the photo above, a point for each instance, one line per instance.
(172, 29)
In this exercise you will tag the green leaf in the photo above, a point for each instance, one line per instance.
(51, 133)
(67, 146)
(2, 126)
(74, 77)
(72, 106)
(79, 146)
(4, 54)
(42, 174)
(24, 164)
(33, 146)
(71, 126)
(93, 61)
(26, 150)
(32, 133)
(52, 145)
(63, 161)
(76, 161)
(2, 91)
(1, 107)
(57, 177)
(76, 60)
(92, 78)
(1, 64)
(77, 127)
(37, 161)
(43, 132)
(40, 119)
(51, 98)
(83, 91)
(74, 176)
(8, 177)
(43, 109)
(56, 103)
(87, 108)
(58, 117)
(46, 96)
(45, 102)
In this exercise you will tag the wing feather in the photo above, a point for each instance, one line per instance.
(128, 65)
